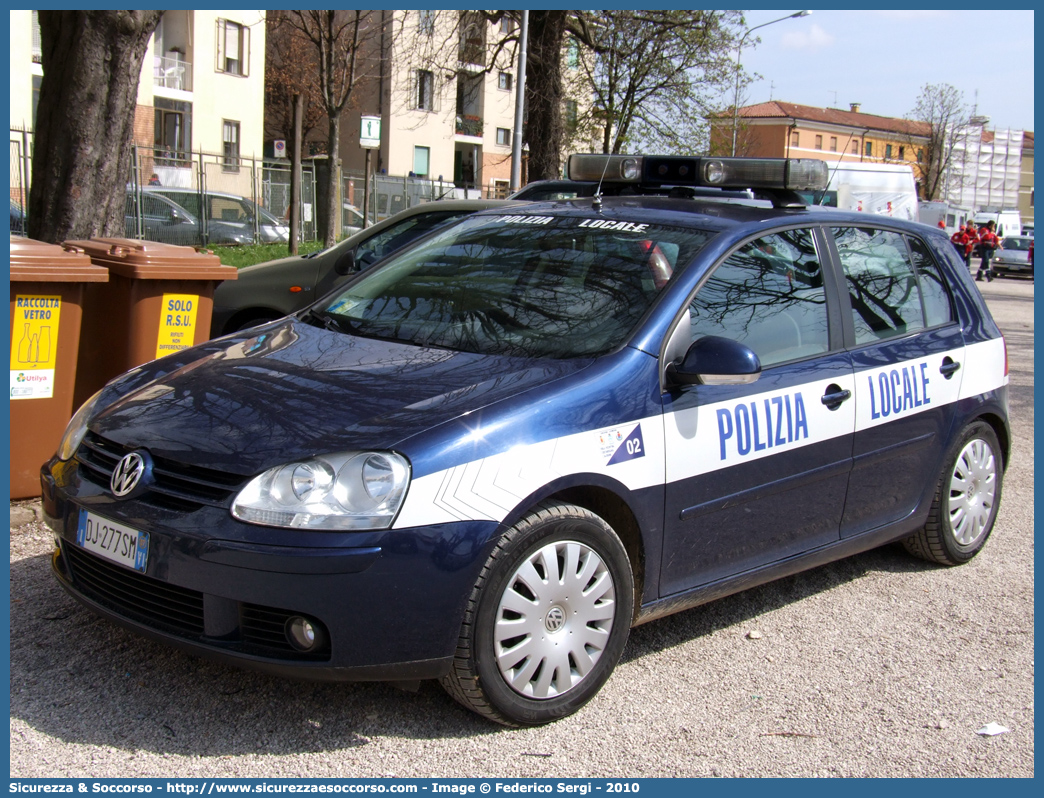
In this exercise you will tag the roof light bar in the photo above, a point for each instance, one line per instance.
(794, 174)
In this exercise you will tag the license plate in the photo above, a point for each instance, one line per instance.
(115, 542)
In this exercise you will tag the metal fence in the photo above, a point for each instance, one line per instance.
(212, 199)
(193, 199)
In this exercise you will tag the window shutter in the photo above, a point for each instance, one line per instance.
(245, 72)
(232, 41)
(415, 88)
(219, 46)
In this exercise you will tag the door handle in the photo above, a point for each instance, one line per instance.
(835, 396)
(948, 367)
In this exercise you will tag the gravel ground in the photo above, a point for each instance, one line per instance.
(879, 665)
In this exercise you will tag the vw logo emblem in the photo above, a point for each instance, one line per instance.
(555, 619)
(127, 475)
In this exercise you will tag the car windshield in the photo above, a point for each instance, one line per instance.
(1017, 244)
(530, 286)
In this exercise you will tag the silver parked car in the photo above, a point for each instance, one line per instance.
(1013, 256)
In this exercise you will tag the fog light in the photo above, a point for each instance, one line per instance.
(302, 633)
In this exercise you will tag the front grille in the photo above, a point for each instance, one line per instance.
(179, 611)
(177, 486)
(139, 598)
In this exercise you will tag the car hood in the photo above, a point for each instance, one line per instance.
(295, 390)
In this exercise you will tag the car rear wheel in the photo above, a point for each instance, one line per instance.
(547, 619)
(966, 500)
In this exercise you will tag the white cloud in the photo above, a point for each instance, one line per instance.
(812, 40)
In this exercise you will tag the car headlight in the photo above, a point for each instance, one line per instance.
(76, 429)
(350, 490)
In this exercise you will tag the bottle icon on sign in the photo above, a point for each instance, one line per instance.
(35, 347)
(23, 346)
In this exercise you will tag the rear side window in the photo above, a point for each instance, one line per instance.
(768, 295)
(886, 298)
(938, 305)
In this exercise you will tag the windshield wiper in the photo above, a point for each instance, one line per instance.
(332, 323)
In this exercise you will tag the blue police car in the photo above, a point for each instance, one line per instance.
(485, 460)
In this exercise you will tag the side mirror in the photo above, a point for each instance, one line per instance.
(346, 263)
(713, 360)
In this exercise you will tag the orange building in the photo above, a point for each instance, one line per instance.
(787, 130)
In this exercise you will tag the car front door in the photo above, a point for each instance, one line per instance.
(758, 472)
(907, 350)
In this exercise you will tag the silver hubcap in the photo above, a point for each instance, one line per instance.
(972, 489)
(554, 619)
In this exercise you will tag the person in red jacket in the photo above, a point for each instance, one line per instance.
(988, 242)
(960, 242)
(971, 236)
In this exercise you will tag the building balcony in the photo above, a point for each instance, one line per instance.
(172, 73)
(468, 125)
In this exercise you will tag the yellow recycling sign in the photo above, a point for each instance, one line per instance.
(177, 327)
(34, 345)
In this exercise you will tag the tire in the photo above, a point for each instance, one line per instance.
(966, 500)
(567, 643)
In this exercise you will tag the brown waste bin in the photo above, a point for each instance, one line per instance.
(159, 299)
(47, 291)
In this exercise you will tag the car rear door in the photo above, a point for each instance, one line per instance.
(758, 472)
(907, 349)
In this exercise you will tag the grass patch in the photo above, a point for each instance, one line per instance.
(260, 253)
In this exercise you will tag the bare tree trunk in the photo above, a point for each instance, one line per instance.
(85, 121)
(333, 192)
(544, 127)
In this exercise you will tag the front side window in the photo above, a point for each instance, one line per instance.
(230, 142)
(518, 285)
(769, 295)
(882, 285)
(938, 304)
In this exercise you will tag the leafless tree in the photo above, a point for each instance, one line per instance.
(942, 107)
(347, 50)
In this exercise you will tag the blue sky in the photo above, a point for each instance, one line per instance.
(882, 59)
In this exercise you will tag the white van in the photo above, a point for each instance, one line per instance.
(885, 189)
(952, 216)
(1009, 222)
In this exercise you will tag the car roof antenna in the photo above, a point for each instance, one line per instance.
(597, 204)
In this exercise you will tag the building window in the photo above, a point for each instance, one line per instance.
(920, 156)
(504, 81)
(503, 137)
(869, 149)
(794, 139)
(230, 142)
(172, 132)
(833, 143)
(902, 156)
(421, 161)
(507, 24)
(888, 151)
(425, 90)
(819, 142)
(426, 21)
(37, 42)
(855, 147)
(572, 115)
(233, 48)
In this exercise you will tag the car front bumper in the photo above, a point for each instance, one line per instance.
(389, 604)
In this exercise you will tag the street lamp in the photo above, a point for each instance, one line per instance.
(739, 50)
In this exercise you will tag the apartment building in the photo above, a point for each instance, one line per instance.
(201, 89)
(787, 130)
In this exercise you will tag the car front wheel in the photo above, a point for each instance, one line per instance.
(547, 619)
